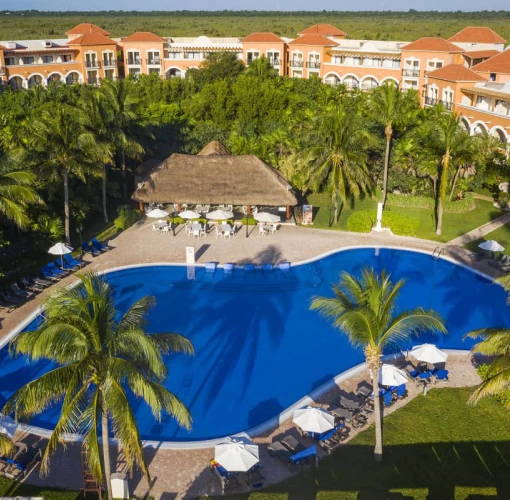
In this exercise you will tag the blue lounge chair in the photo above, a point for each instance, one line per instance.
(72, 261)
(88, 249)
(425, 376)
(55, 270)
(441, 375)
(98, 245)
(388, 398)
(305, 455)
(401, 391)
(64, 265)
(48, 274)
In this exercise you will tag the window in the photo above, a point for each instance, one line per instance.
(432, 65)
(66, 58)
(251, 56)
(28, 60)
(153, 58)
(336, 60)
(134, 71)
(175, 55)
(10, 61)
(273, 57)
(192, 55)
(47, 59)
(492, 77)
(356, 61)
(134, 58)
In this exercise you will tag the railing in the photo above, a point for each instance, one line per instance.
(154, 60)
(296, 64)
(430, 101)
(92, 64)
(448, 105)
(369, 86)
(134, 62)
(275, 62)
(411, 72)
(351, 86)
(313, 65)
(92, 81)
(109, 63)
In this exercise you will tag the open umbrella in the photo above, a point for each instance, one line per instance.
(391, 375)
(428, 353)
(491, 246)
(157, 213)
(219, 215)
(267, 217)
(312, 419)
(236, 454)
(189, 214)
(7, 426)
(60, 249)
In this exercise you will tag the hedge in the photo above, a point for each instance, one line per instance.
(401, 200)
(127, 217)
(400, 224)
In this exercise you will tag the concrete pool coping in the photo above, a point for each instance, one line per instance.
(285, 414)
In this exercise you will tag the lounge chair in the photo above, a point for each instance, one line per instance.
(99, 246)
(342, 413)
(88, 249)
(305, 456)
(278, 450)
(31, 285)
(424, 377)
(48, 274)
(65, 266)
(441, 375)
(56, 270)
(254, 476)
(18, 292)
(388, 398)
(229, 480)
(350, 404)
(9, 299)
(7, 307)
(401, 391)
(39, 281)
(74, 262)
(22, 465)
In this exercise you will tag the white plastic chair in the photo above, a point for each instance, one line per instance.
(196, 233)
(155, 229)
(227, 234)
(273, 229)
(219, 232)
(165, 229)
(262, 230)
(207, 209)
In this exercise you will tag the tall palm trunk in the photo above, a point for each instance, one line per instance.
(378, 450)
(65, 175)
(106, 454)
(124, 180)
(454, 184)
(335, 205)
(389, 134)
(442, 191)
(105, 212)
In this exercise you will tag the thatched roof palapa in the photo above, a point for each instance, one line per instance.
(214, 176)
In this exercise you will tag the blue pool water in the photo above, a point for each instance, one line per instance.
(259, 348)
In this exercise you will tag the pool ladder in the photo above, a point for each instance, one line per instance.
(438, 251)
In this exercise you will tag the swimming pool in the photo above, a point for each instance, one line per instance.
(259, 349)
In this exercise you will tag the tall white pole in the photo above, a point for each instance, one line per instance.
(378, 224)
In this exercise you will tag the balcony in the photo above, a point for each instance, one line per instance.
(134, 61)
(430, 101)
(154, 61)
(92, 64)
(369, 86)
(93, 81)
(274, 62)
(109, 63)
(313, 65)
(411, 72)
(296, 64)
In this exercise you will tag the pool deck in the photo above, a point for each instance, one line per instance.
(185, 473)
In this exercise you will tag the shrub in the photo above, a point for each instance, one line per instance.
(176, 220)
(249, 221)
(127, 217)
(487, 371)
(503, 199)
(458, 206)
(401, 224)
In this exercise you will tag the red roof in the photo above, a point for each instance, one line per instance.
(91, 39)
(481, 54)
(84, 28)
(496, 64)
(323, 29)
(456, 73)
(432, 44)
(313, 40)
(473, 34)
(262, 38)
(143, 36)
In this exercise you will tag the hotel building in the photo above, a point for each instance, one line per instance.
(468, 73)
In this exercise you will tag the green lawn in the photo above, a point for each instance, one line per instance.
(10, 488)
(436, 448)
(501, 235)
(453, 224)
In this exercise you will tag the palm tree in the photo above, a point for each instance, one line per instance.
(16, 192)
(100, 359)
(61, 147)
(495, 342)
(6, 446)
(261, 68)
(363, 308)
(336, 156)
(392, 108)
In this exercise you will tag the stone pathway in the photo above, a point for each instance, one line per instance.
(480, 231)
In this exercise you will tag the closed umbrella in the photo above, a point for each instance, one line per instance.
(7, 426)
(236, 454)
(60, 249)
(267, 217)
(428, 353)
(157, 213)
(391, 375)
(219, 215)
(189, 214)
(491, 246)
(312, 419)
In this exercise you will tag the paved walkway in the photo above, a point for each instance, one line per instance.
(481, 231)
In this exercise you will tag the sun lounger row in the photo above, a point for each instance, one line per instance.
(94, 248)
(433, 375)
(231, 480)
(24, 461)
(291, 451)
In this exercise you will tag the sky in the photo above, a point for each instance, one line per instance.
(317, 5)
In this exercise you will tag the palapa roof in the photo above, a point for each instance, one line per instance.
(432, 44)
(83, 28)
(456, 73)
(323, 29)
(210, 177)
(314, 40)
(496, 64)
(144, 169)
(475, 34)
(143, 36)
(262, 37)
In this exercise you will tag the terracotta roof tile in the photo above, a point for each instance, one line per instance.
(496, 64)
(323, 29)
(313, 40)
(432, 44)
(91, 39)
(476, 35)
(481, 54)
(262, 38)
(84, 28)
(143, 36)
(456, 73)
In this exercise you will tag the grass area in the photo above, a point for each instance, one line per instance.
(388, 25)
(11, 488)
(436, 447)
(501, 235)
(453, 224)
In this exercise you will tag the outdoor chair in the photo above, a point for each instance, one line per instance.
(39, 281)
(98, 245)
(56, 270)
(165, 230)
(22, 464)
(424, 377)
(74, 262)
(227, 234)
(155, 229)
(273, 229)
(10, 299)
(278, 450)
(32, 286)
(254, 476)
(388, 398)
(207, 209)
(262, 230)
(219, 232)
(65, 266)
(88, 249)
(350, 404)
(48, 274)
(441, 375)
(305, 456)
(18, 292)
(400, 392)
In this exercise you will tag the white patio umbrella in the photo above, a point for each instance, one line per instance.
(312, 419)
(189, 214)
(267, 217)
(491, 246)
(428, 353)
(60, 249)
(157, 213)
(219, 215)
(391, 375)
(7, 426)
(236, 454)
